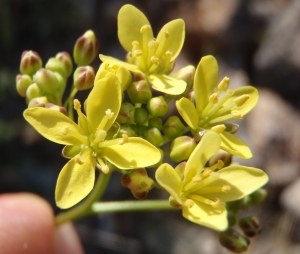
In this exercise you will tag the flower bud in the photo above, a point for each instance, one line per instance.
(31, 62)
(234, 241)
(23, 82)
(258, 196)
(181, 148)
(33, 91)
(86, 48)
(154, 136)
(250, 226)
(157, 106)
(155, 122)
(186, 74)
(56, 108)
(139, 92)
(138, 182)
(231, 218)
(126, 129)
(55, 65)
(66, 59)
(141, 129)
(38, 102)
(223, 156)
(46, 81)
(84, 78)
(126, 113)
(173, 127)
(141, 116)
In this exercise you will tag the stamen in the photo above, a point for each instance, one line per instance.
(214, 98)
(206, 172)
(77, 105)
(64, 130)
(166, 33)
(188, 203)
(169, 53)
(237, 114)
(226, 189)
(105, 169)
(124, 140)
(78, 159)
(239, 101)
(109, 114)
(100, 136)
(137, 53)
(218, 165)
(145, 28)
(204, 200)
(155, 60)
(223, 85)
(135, 44)
(216, 204)
(152, 44)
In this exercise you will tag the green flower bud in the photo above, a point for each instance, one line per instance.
(138, 182)
(33, 91)
(154, 136)
(126, 113)
(56, 108)
(155, 122)
(173, 127)
(46, 81)
(126, 129)
(234, 241)
(141, 116)
(258, 196)
(23, 82)
(31, 62)
(181, 148)
(157, 106)
(186, 74)
(250, 226)
(38, 102)
(139, 92)
(86, 48)
(141, 129)
(66, 59)
(55, 65)
(84, 78)
(231, 219)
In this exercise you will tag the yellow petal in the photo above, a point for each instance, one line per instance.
(235, 146)
(137, 153)
(188, 112)
(174, 40)
(242, 181)
(250, 103)
(167, 84)
(167, 177)
(106, 94)
(112, 60)
(130, 21)
(206, 79)
(207, 147)
(75, 182)
(206, 215)
(54, 126)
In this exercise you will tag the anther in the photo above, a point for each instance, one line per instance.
(226, 189)
(145, 28)
(77, 104)
(64, 130)
(135, 44)
(223, 85)
(237, 114)
(166, 33)
(137, 53)
(78, 159)
(239, 101)
(169, 53)
(216, 203)
(214, 98)
(152, 44)
(105, 169)
(124, 140)
(155, 60)
(109, 114)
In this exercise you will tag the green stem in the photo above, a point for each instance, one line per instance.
(129, 206)
(84, 207)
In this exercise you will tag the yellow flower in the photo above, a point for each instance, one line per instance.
(151, 57)
(201, 191)
(212, 109)
(87, 142)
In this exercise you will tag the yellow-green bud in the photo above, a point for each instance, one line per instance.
(186, 74)
(66, 59)
(56, 108)
(84, 78)
(234, 241)
(250, 226)
(231, 127)
(56, 65)
(157, 106)
(154, 136)
(138, 182)
(86, 48)
(140, 116)
(33, 91)
(181, 148)
(38, 102)
(173, 127)
(31, 62)
(22, 83)
(126, 113)
(46, 81)
(139, 92)
(155, 122)
(258, 196)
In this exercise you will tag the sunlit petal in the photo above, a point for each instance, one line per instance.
(188, 112)
(167, 84)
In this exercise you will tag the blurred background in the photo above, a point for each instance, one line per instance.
(256, 42)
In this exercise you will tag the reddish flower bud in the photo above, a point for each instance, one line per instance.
(67, 61)
(84, 78)
(31, 62)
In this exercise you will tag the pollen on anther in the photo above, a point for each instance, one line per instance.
(169, 53)
(124, 140)
(64, 130)
(77, 104)
(135, 44)
(216, 203)
(166, 33)
(155, 60)
(137, 53)
(145, 28)
(109, 113)
(226, 189)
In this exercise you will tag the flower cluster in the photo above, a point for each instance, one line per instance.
(126, 123)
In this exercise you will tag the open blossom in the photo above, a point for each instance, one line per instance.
(87, 142)
(215, 105)
(201, 191)
(153, 58)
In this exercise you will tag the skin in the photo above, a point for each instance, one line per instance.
(27, 226)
